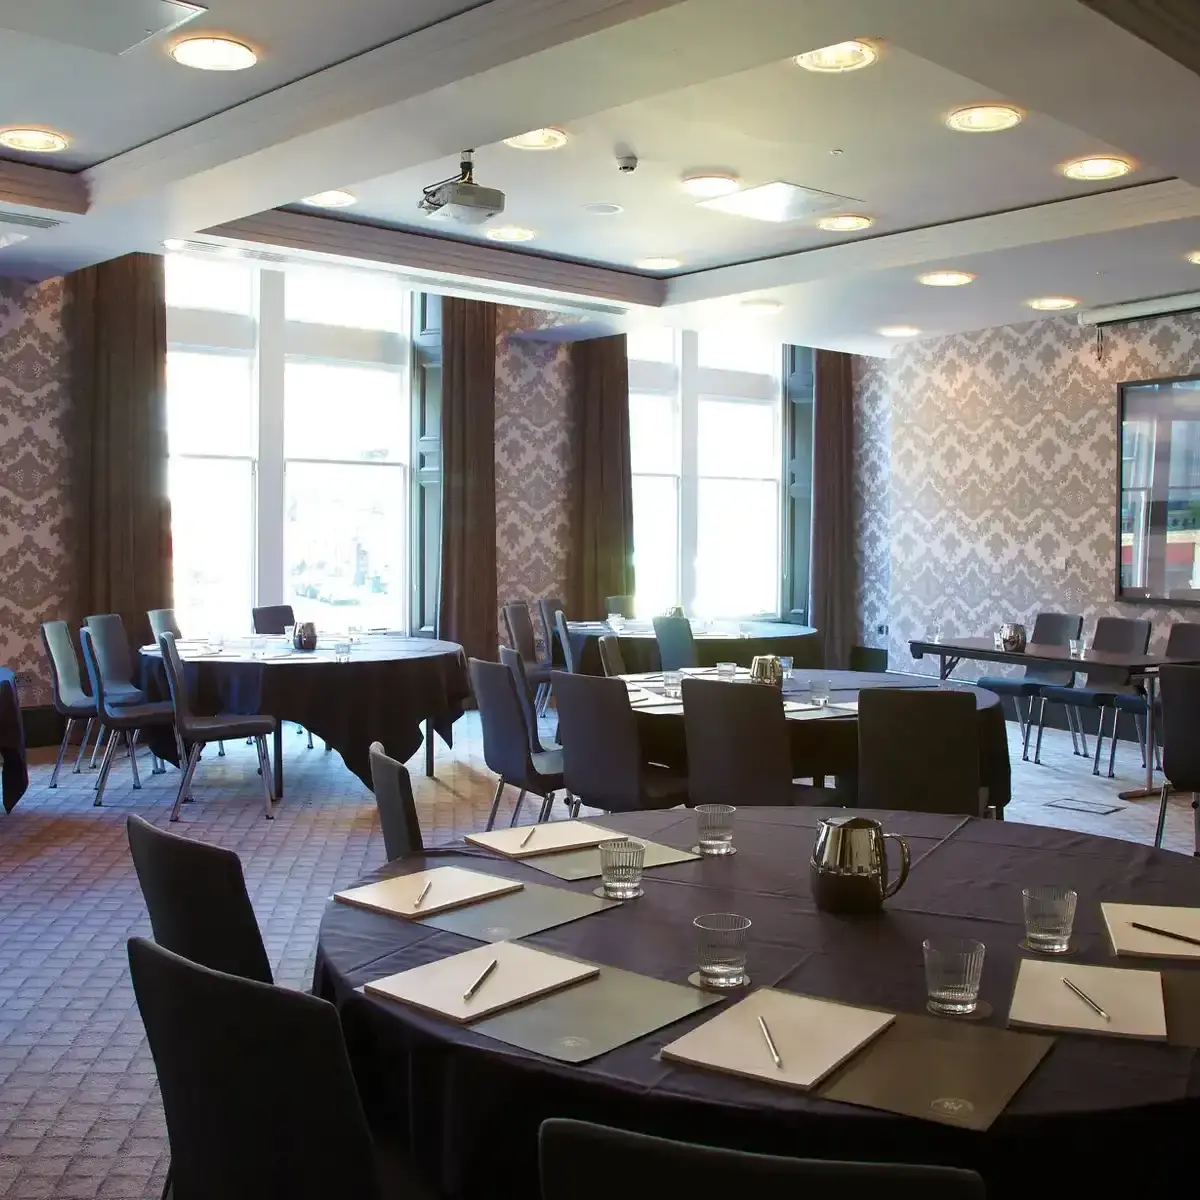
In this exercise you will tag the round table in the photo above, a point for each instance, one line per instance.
(1097, 1113)
(391, 685)
(737, 644)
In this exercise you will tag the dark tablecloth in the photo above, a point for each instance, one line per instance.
(389, 687)
(1098, 1114)
(14, 776)
(640, 650)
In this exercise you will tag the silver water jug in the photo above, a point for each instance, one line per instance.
(766, 668)
(849, 869)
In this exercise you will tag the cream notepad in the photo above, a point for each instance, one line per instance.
(812, 1037)
(449, 887)
(1132, 999)
(1140, 944)
(543, 838)
(521, 974)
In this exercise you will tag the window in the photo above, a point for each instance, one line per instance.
(288, 425)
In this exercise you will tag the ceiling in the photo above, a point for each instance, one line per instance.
(350, 96)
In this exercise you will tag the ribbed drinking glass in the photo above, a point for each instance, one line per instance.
(621, 862)
(721, 949)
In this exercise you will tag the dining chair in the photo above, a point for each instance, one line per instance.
(124, 722)
(516, 664)
(602, 754)
(1114, 635)
(611, 658)
(162, 620)
(564, 636)
(869, 658)
(506, 745)
(676, 647)
(623, 606)
(112, 655)
(739, 746)
(272, 619)
(547, 607)
(396, 805)
(918, 750)
(1180, 691)
(518, 628)
(197, 900)
(579, 1161)
(70, 699)
(198, 731)
(257, 1089)
(1049, 629)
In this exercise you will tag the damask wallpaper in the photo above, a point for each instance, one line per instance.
(33, 476)
(986, 476)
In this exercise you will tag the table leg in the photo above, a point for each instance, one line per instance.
(429, 747)
(1149, 791)
(943, 672)
(278, 760)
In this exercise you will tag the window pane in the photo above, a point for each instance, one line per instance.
(655, 543)
(356, 413)
(212, 536)
(219, 284)
(210, 404)
(651, 345)
(737, 547)
(738, 439)
(344, 544)
(735, 350)
(653, 433)
(358, 299)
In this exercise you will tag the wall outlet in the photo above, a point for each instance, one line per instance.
(881, 630)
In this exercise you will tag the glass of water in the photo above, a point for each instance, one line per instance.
(785, 664)
(671, 684)
(341, 652)
(998, 639)
(1049, 918)
(616, 622)
(721, 949)
(1076, 645)
(820, 692)
(714, 828)
(621, 862)
(727, 671)
(953, 969)
(258, 647)
(935, 631)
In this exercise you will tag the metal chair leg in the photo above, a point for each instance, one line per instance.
(1160, 828)
(1099, 742)
(310, 739)
(87, 733)
(1071, 726)
(220, 749)
(542, 699)
(105, 766)
(132, 742)
(268, 798)
(1020, 714)
(547, 805)
(99, 743)
(575, 803)
(1037, 750)
(495, 803)
(62, 750)
(111, 740)
(186, 782)
(1141, 737)
(1028, 732)
(1112, 746)
(517, 808)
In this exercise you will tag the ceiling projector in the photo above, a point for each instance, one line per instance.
(461, 199)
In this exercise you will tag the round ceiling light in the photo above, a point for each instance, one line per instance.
(899, 331)
(984, 118)
(707, 184)
(1104, 166)
(1052, 303)
(511, 233)
(602, 209)
(833, 60)
(333, 199)
(33, 141)
(762, 304)
(657, 264)
(1194, 257)
(213, 54)
(845, 223)
(538, 139)
(946, 278)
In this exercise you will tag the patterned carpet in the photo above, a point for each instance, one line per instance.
(79, 1109)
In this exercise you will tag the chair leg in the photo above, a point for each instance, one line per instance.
(547, 805)
(495, 803)
(1028, 731)
(1160, 828)
(1195, 826)
(99, 743)
(310, 739)
(132, 742)
(1099, 742)
(1112, 745)
(1037, 750)
(517, 808)
(268, 798)
(108, 741)
(1071, 727)
(62, 751)
(87, 733)
(220, 749)
(105, 766)
(575, 803)
(1141, 737)
(186, 782)
(1020, 714)
(542, 699)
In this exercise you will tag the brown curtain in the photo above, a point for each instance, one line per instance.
(832, 587)
(600, 554)
(467, 601)
(117, 331)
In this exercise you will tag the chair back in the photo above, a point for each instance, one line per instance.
(272, 618)
(397, 808)
(564, 636)
(1053, 629)
(1117, 635)
(918, 750)
(92, 667)
(257, 1088)
(177, 684)
(111, 647)
(1184, 640)
(623, 606)
(516, 664)
(738, 749)
(547, 607)
(676, 648)
(598, 732)
(69, 694)
(579, 1161)
(505, 736)
(869, 658)
(611, 658)
(197, 899)
(162, 620)
(1180, 689)
(519, 629)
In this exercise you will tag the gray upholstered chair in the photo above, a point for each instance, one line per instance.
(162, 620)
(611, 658)
(547, 607)
(111, 646)
(516, 664)
(623, 606)
(518, 628)
(396, 805)
(564, 636)
(676, 648)
(70, 699)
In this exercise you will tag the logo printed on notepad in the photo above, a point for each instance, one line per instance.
(497, 931)
(572, 1043)
(952, 1106)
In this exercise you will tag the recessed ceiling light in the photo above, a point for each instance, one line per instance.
(1194, 257)
(538, 139)
(601, 209)
(213, 54)
(332, 199)
(657, 264)
(1104, 166)
(845, 223)
(511, 233)
(33, 141)
(710, 183)
(763, 304)
(777, 201)
(833, 60)
(984, 118)
(899, 331)
(174, 244)
(946, 278)
(1052, 303)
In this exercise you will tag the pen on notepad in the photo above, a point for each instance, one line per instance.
(1087, 999)
(770, 1043)
(479, 982)
(1175, 937)
(424, 893)
(525, 839)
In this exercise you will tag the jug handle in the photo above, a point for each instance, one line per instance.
(905, 863)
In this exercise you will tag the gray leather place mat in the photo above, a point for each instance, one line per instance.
(519, 914)
(585, 864)
(594, 1017)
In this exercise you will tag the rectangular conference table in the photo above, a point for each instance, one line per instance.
(1141, 667)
